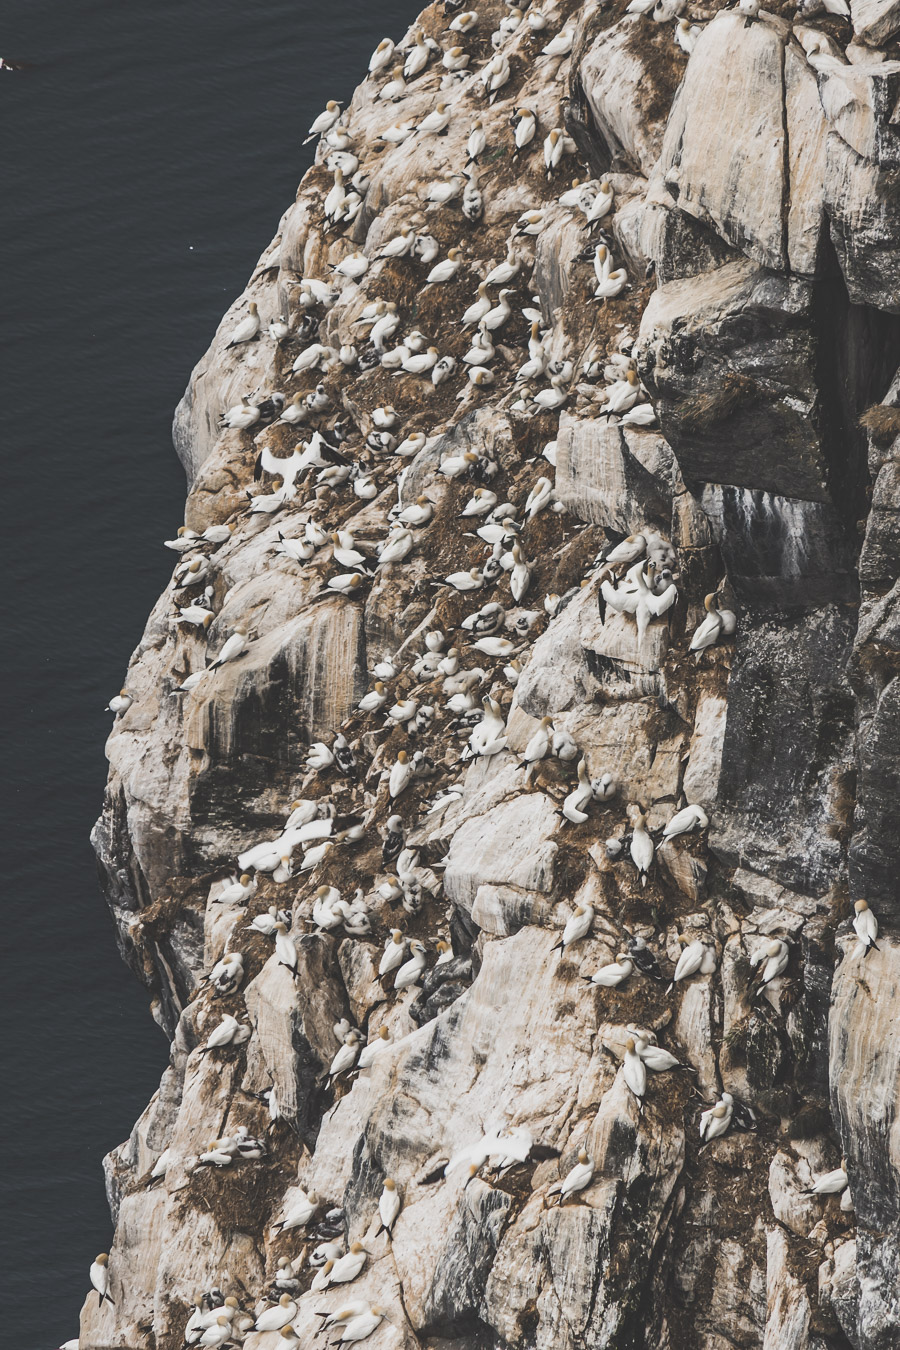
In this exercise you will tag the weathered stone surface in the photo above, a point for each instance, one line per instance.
(865, 1091)
(863, 205)
(772, 795)
(758, 364)
(729, 357)
(626, 102)
(613, 476)
(744, 144)
(875, 21)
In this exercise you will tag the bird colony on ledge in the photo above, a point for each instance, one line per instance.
(429, 388)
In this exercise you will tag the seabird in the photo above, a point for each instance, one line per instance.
(411, 971)
(325, 120)
(247, 329)
(716, 1120)
(120, 703)
(273, 1319)
(418, 56)
(300, 1211)
(578, 1178)
(634, 1071)
(641, 848)
(400, 775)
(830, 1183)
(347, 1055)
(561, 45)
(718, 623)
(865, 926)
(573, 808)
(614, 974)
(382, 56)
(772, 958)
(698, 955)
(577, 927)
(361, 1326)
(99, 1277)
(684, 821)
(389, 1204)
(370, 1052)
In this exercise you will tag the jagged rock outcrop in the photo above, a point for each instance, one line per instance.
(735, 405)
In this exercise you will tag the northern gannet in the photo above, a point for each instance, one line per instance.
(227, 973)
(347, 1267)
(99, 1277)
(247, 329)
(573, 808)
(578, 1178)
(353, 266)
(285, 947)
(479, 308)
(716, 1120)
(538, 498)
(242, 415)
(120, 702)
(830, 1183)
(361, 1326)
(684, 821)
(273, 1319)
(538, 745)
(344, 1314)
(623, 394)
(389, 1204)
(865, 926)
(772, 958)
(561, 45)
(395, 87)
(300, 1211)
(435, 122)
(718, 623)
(455, 58)
(219, 1331)
(442, 370)
(636, 596)
(497, 316)
(525, 125)
(234, 647)
(325, 120)
(577, 927)
(476, 143)
(697, 956)
(446, 270)
(376, 1046)
(641, 847)
(382, 56)
(644, 958)
(612, 975)
(418, 56)
(495, 74)
(228, 1032)
(687, 35)
(443, 190)
(422, 362)
(489, 736)
(346, 1057)
(554, 397)
(400, 775)
(411, 971)
(655, 1058)
(634, 1070)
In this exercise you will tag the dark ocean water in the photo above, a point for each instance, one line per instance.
(144, 163)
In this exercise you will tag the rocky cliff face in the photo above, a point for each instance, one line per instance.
(730, 398)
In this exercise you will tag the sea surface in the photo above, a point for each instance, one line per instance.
(146, 157)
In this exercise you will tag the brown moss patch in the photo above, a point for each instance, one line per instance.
(882, 422)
